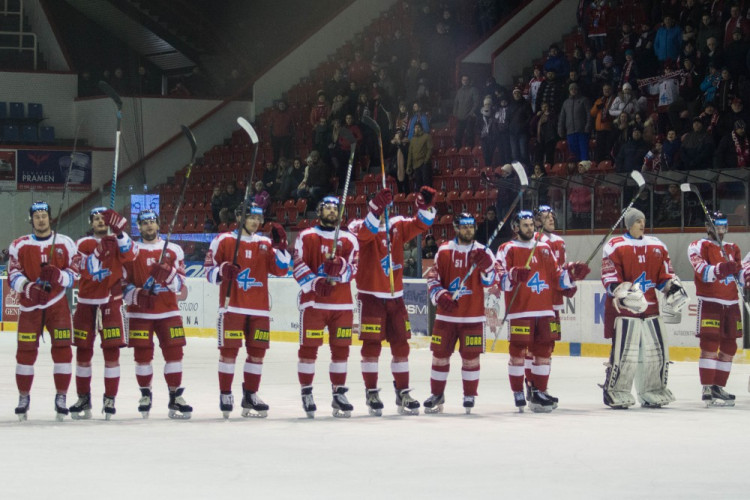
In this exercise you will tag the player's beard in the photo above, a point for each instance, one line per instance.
(523, 237)
(464, 241)
(329, 221)
(148, 238)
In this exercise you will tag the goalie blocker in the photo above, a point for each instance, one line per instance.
(634, 268)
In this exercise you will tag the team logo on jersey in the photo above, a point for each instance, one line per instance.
(155, 288)
(644, 283)
(537, 285)
(520, 330)
(99, 275)
(176, 332)
(80, 334)
(710, 323)
(61, 334)
(26, 337)
(473, 341)
(262, 335)
(314, 334)
(139, 334)
(246, 282)
(343, 333)
(454, 286)
(384, 265)
(436, 339)
(110, 333)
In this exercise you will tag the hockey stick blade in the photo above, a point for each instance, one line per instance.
(191, 139)
(248, 128)
(107, 89)
(638, 177)
(686, 187)
(520, 172)
(371, 123)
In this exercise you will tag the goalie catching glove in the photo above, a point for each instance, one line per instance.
(629, 296)
(675, 295)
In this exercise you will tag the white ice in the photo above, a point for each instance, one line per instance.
(581, 450)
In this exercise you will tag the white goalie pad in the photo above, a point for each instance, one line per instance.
(651, 377)
(623, 363)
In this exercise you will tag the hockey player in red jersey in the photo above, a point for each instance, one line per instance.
(151, 295)
(325, 301)
(719, 314)
(39, 274)
(246, 315)
(382, 313)
(99, 260)
(528, 269)
(634, 267)
(461, 320)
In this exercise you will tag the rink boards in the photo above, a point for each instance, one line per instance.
(582, 319)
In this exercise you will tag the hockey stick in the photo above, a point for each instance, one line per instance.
(527, 265)
(349, 137)
(686, 187)
(243, 211)
(373, 125)
(521, 172)
(107, 89)
(638, 178)
(193, 150)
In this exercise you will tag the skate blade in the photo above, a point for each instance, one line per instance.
(249, 413)
(342, 413)
(468, 410)
(436, 409)
(408, 411)
(375, 412)
(521, 409)
(540, 408)
(60, 417)
(176, 415)
(22, 417)
(83, 415)
(225, 414)
(108, 416)
(719, 403)
(144, 414)
(310, 414)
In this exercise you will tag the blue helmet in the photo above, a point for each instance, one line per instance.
(521, 215)
(463, 219)
(38, 206)
(147, 214)
(94, 211)
(328, 200)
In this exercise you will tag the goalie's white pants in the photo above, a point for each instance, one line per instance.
(639, 351)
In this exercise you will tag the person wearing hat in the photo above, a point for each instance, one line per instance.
(734, 149)
(551, 91)
(242, 273)
(634, 267)
(40, 269)
(519, 117)
(697, 147)
(629, 69)
(735, 112)
(625, 102)
(575, 123)
(556, 62)
(716, 264)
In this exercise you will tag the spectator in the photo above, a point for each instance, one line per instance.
(487, 134)
(488, 226)
(588, 68)
(320, 110)
(418, 117)
(644, 51)
(322, 139)
(622, 126)
(556, 62)
(625, 102)
(410, 259)
(574, 123)
(643, 203)
(713, 53)
(418, 165)
(736, 22)
(551, 92)
(231, 200)
(671, 149)
(656, 162)
(217, 200)
(430, 247)
(735, 57)
(697, 147)
(400, 153)
(725, 92)
(579, 195)
(670, 209)
(734, 149)
(728, 119)
(629, 69)
(341, 146)
(668, 40)
(625, 42)
(335, 86)
(710, 119)
(270, 180)
(707, 29)
(538, 181)
(598, 14)
(261, 197)
(291, 180)
(544, 125)
(532, 88)
(281, 127)
(339, 107)
(402, 117)
(520, 114)
(630, 156)
(465, 107)
(317, 180)
(502, 120)
(603, 124)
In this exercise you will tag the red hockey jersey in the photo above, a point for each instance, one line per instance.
(372, 272)
(100, 279)
(644, 261)
(137, 275)
(451, 265)
(310, 251)
(257, 259)
(535, 298)
(704, 254)
(27, 254)
(557, 244)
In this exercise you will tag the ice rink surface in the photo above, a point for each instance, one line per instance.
(581, 450)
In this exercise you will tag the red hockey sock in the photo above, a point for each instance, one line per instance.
(707, 370)
(226, 376)
(253, 372)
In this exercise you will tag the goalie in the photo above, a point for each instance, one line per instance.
(634, 267)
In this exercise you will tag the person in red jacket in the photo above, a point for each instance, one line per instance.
(382, 312)
(100, 259)
(460, 320)
(40, 269)
(244, 281)
(716, 264)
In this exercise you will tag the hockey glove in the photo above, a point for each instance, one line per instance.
(727, 269)
(480, 258)
(35, 293)
(106, 248)
(278, 237)
(380, 201)
(322, 287)
(426, 198)
(629, 296)
(518, 275)
(577, 270)
(228, 272)
(334, 267)
(674, 294)
(52, 275)
(115, 221)
(569, 292)
(163, 273)
(445, 302)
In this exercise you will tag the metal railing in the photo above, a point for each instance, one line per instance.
(20, 47)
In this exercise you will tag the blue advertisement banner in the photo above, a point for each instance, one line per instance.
(46, 170)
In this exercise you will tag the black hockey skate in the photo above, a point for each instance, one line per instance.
(61, 408)
(81, 410)
(308, 402)
(717, 396)
(22, 410)
(406, 404)
(178, 407)
(340, 404)
(468, 404)
(144, 404)
(226, 403)
(374, 404)
(108, 407)
(434, 404)
(252, 405)
(540, 402)
(520, 400)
